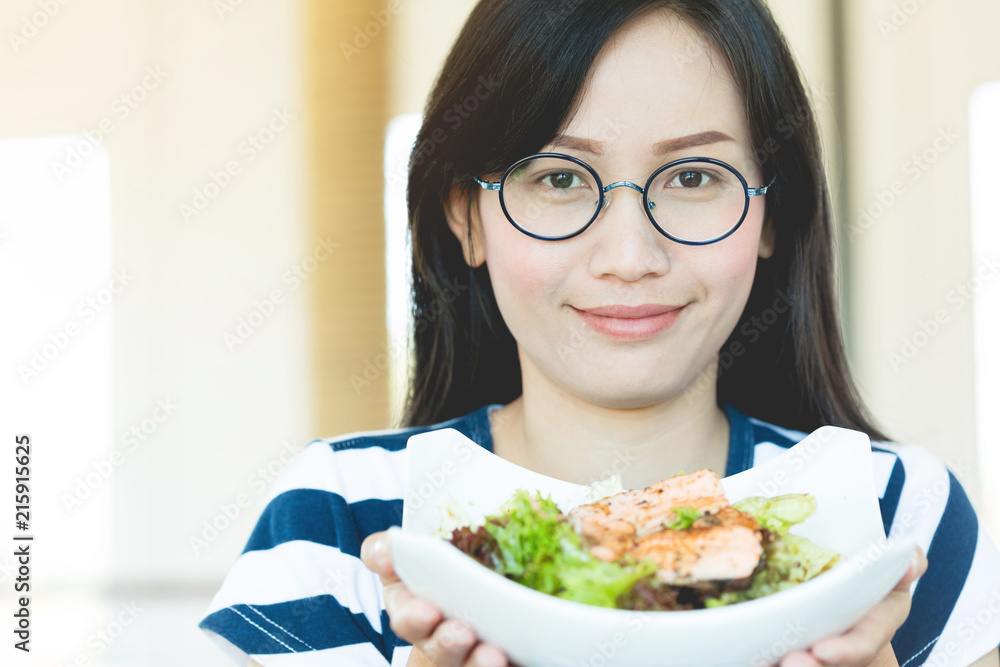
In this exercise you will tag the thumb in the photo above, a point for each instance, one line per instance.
(376, 557)
(918, 565)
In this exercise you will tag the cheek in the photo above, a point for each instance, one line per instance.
(736, 266)
(527, 275)
(726, 269)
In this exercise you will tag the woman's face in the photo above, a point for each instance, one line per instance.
(654, 80)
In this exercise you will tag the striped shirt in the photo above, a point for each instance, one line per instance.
(299, 595)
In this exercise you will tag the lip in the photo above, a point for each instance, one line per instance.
(631, 322)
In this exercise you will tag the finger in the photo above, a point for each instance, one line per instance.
(487, 655)
(376, 557)
(483, 655)
(450, 644)
(861, 643)
(799, 659)
(918, 566)
(412, 618)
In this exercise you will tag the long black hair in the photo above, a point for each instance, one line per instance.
(511, 80)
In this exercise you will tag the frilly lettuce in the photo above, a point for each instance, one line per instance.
(540, 549)
(531, 542)
(779, 513)
(788, 559)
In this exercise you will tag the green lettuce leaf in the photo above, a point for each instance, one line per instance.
(779, 513)
(539, 548)
(684, 517)
(788, 559)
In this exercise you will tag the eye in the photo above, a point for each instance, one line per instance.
(690, 179)
(562, 180)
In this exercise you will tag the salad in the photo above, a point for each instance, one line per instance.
(675, 545)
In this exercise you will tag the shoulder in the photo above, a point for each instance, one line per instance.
(365, 465)
(300, 584)
(894, 466)
(955, 613)
(771, 439)
(336, 491)
(918, 493)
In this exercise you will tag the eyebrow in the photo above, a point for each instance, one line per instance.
(595, 147)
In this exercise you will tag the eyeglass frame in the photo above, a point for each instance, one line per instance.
(647, 205)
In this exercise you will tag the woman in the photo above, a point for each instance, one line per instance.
(681, 323)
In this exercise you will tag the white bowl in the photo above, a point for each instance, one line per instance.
(539, 630)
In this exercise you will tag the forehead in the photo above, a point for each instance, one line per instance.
(657, 78)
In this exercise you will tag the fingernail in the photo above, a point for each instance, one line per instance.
(455, 633)
(914, 562)
(420, 617)
(490, 656)
(795, 660)
(826, 653)
(379, 551)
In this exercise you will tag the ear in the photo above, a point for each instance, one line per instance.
(463, 220)
(766, 247)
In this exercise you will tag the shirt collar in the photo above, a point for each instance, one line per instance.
(741, 441)
(741, 436)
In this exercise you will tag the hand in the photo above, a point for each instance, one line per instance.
(867, 643)
(437, 642)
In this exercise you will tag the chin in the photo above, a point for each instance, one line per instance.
(628, 397)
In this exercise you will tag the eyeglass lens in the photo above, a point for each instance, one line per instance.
(553, 197)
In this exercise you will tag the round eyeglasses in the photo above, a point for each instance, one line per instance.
(694, 201)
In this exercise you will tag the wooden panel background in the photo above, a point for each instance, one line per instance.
(346, 102)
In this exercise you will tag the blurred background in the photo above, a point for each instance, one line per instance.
(203, 266)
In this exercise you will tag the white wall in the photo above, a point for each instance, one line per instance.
(219, 80)
(913, 67)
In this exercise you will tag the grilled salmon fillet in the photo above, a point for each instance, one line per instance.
(722, 544)
(652, 509)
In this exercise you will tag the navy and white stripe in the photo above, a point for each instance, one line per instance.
(918, 493)
(299, 594)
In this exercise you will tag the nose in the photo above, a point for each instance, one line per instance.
(619, 184)
(628, 246)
